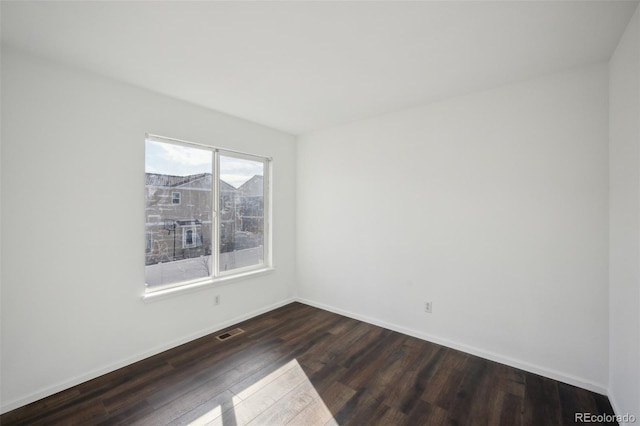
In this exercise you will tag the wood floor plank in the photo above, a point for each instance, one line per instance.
(86, 412)
(322, 408)
(341, 349)
(444, 392)
(261, 378)
(344, 325)
(315, 413)
(603, 406)
(353, 411)
(420, 378)
(206, 412)
(469, 391)
(541, 401)
(426, 414)
(128, 415)
(134, 390)
(385, 379)
(489, 386)
(443, 383)
(389, 416)
(30, 413)
(366, 370)
(257, 401)
(202, 395)
(230, 369)
(302, 366)
(325, 379)
(287, 407)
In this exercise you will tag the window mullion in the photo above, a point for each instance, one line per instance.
(215, 228)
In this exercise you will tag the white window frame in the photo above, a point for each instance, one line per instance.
(266, 261)
(173, 197)
(218, 277)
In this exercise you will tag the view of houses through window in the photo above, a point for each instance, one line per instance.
(186, 240)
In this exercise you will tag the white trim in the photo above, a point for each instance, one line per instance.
(613, 403)
(216, 275)
(266, 210)
(215, 208)
(161, 224)
(267, 202)
(244, 269)
(152, 296)
(35, 396)
(617, 411)
(522, 365)
(181, 188)
(158, 138)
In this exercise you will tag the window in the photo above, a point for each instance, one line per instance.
(210, 213)
(241, 224)
(188, 238)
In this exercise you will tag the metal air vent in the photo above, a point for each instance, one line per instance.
(229, 334)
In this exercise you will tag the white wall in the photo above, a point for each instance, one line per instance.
(494, 206)
(72, 226)
(624, 260)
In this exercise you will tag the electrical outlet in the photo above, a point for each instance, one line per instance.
(427, 307)
(216, 299)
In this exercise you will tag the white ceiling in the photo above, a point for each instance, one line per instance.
(301, 66)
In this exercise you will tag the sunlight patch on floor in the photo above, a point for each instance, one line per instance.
(284, 396)
(208, 417)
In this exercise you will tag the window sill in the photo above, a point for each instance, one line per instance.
(153, 296)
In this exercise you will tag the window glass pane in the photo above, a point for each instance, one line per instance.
(178, 213)
(241, 217)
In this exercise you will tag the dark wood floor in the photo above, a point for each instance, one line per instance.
(300, 365)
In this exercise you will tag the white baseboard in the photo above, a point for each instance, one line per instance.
(614, 405)
(618, 411)
(522, 365)
(11, 405)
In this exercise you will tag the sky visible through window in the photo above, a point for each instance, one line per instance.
(178, 160)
